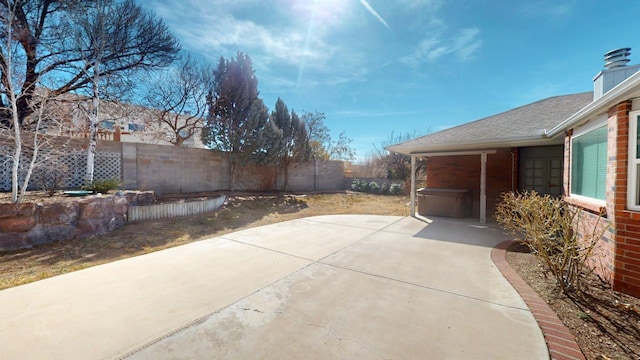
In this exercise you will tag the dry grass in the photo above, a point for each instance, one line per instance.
(240, 212)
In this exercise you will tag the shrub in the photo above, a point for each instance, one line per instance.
(355, 185)
(396, 189)
(545, 224)
(103, 186)
(374, 188)
(51, 177)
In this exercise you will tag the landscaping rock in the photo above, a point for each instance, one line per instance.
(25, 225)
(90, 227)
(93, 209)
(17, 224)
(13, 210)
(120, 205)
(58, 213)
(43, 234)
(13, 241)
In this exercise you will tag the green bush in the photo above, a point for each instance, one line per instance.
(374, 188)
(395, 189)
(104, 186)
(355, 185)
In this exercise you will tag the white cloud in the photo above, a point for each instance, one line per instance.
(375, 14)
(548, 9)
(462, 45)
(294, 35)
(430, 4)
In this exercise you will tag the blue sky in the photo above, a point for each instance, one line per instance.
(381, 66)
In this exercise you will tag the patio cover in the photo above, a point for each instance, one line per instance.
(526, 125)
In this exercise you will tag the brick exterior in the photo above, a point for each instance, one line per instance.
(618, 254)
(626, 224)
(463, 172)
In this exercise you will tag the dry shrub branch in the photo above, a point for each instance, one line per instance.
(546, 225)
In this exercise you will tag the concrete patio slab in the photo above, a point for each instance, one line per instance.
(323, 312)
(312, 238)
(322, 287)
(109, 310)
(452, 257)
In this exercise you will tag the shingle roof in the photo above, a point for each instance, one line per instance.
(524, 124)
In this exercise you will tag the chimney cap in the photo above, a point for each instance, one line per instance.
(616, 58)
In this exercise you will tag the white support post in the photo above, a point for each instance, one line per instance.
(483, 187)
(413, 186)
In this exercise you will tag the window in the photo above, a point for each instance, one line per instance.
(108, 125)
(589, 162)
(633, 190)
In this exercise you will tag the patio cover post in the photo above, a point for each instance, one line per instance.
(413, 186)
(483, 187)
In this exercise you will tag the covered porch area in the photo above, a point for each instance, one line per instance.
(470, 183)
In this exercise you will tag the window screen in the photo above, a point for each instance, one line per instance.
(589, 164)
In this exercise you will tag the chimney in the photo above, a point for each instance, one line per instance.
(615, 71)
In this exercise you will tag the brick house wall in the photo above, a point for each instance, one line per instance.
(626, 224)
(463, 172)
(617, 257)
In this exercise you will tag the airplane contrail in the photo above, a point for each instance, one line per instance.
(374, 13)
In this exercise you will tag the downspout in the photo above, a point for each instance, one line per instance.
(513, 168)
(413, 186)
(483, 187)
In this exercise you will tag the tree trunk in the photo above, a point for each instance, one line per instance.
(17, 154)
(93, 131)
(232, 174)
(285, 165)
(32, 165)
(16, 164)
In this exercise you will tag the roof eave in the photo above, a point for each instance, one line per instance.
(602, 104)
(507, 143)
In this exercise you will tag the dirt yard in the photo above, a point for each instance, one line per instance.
(605, 323)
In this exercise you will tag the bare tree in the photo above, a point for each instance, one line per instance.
(26, 142)
(341, 149)
(395, 166)
(322, 145)
(43, 31)
(103, 30)
(178, 99)
(319, 134)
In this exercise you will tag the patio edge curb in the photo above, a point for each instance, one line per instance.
(560, 341)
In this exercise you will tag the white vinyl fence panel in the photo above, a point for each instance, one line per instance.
(171, 210)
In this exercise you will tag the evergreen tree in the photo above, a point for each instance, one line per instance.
(237, 116)
(291, 142)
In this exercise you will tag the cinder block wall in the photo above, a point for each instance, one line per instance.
(173, 169)
(463, 172)
(315, 175)
(170, 169)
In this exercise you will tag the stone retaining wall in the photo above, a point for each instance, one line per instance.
(28, 224)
